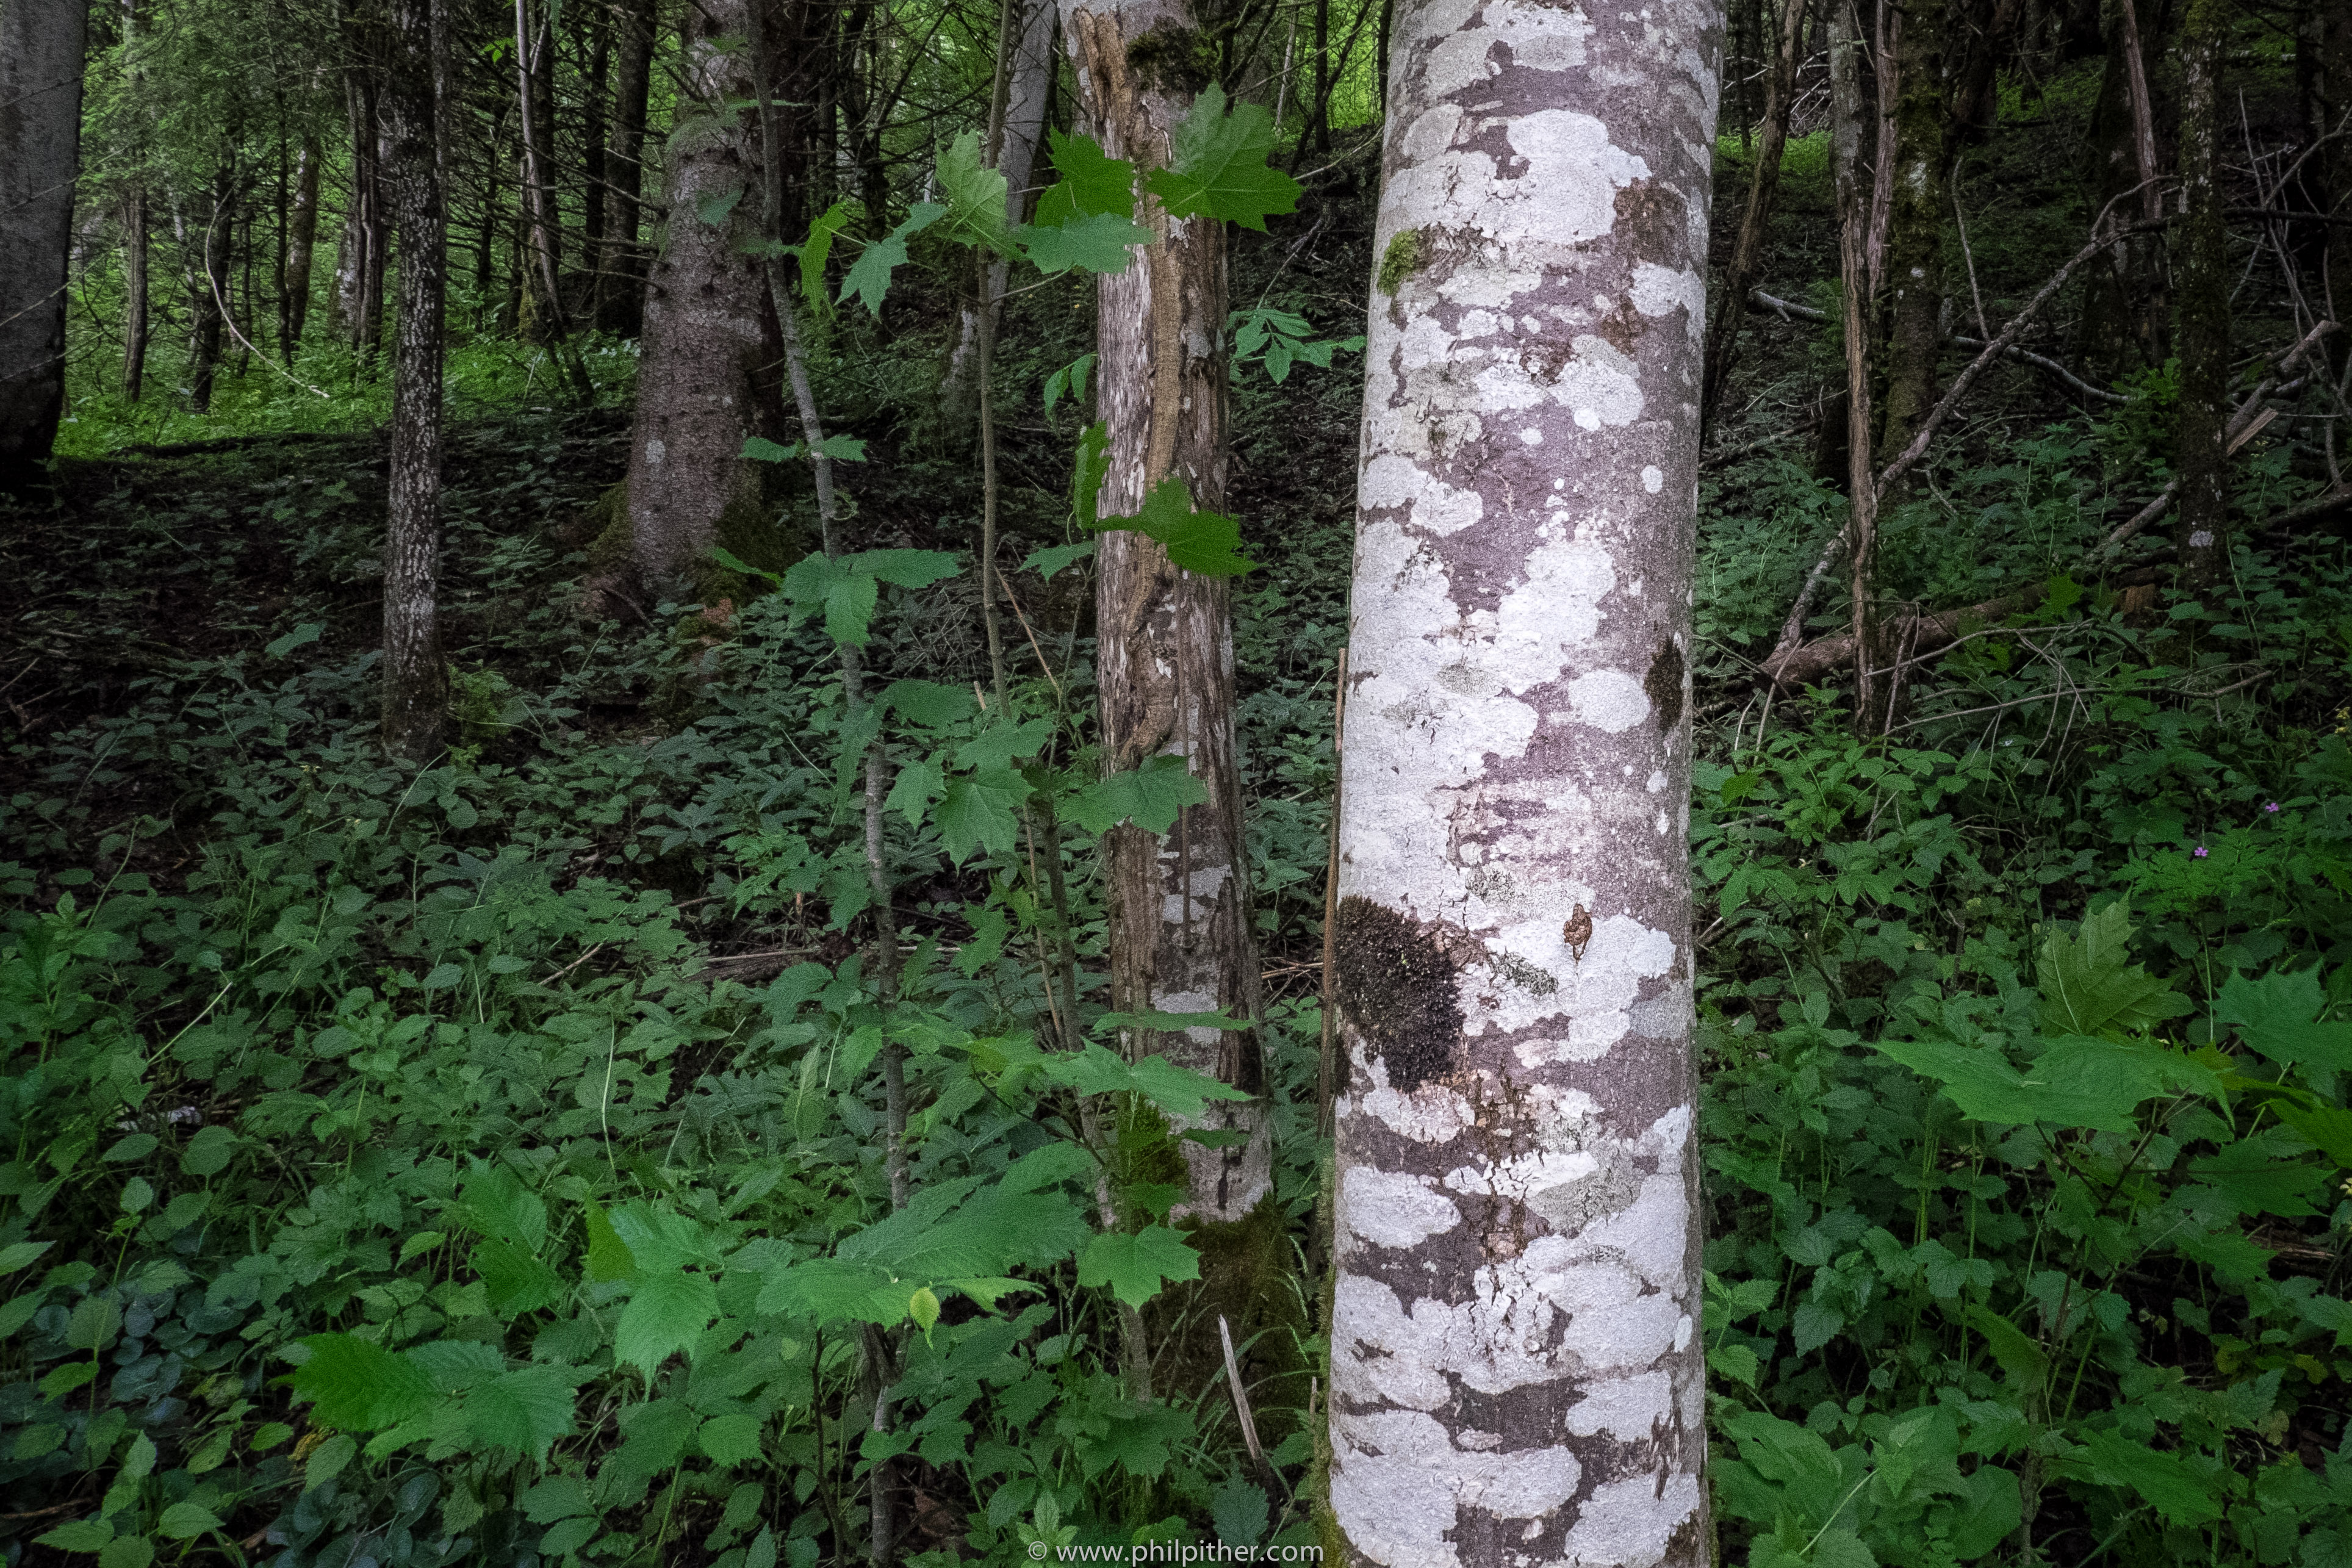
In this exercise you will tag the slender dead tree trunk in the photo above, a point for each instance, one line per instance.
(1854, 207)
(1516, 1362)
(416, 681)
(135, 292)
(41, 44)
(1179, 903)
(2201, 427)
(2125, 307)
(301, 243)
(705, 374)
(1746, 254)
(1919, 158)
(360, 252)
(596, 203)
(620, 277)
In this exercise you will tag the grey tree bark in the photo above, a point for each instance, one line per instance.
(294, 307)
(1179, 903)
(2201, 427)
(1029, 68)
(41, 44)
(705, 369)
(416, 681)
(1516, 1364)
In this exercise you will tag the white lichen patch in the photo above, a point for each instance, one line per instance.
(1662, 290)
(1630, 1523)
(1399, 1483)
(1393, 1208)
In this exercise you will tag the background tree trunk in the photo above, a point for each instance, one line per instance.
(1855, 205)
(208, 291)
(595, 194)
(2201, 429)
(134, 292)
(301, 242)
(1515, 1359)
(706, 376)
(416, 681)
(1920, 156)
(41, 44)
(620, 276)
(2124, 309)
(1763, 182)
(1179, 903)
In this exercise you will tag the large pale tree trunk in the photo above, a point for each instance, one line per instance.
(706, 376)
(40, 130)
(2201, 427)
(621, 274)
(1180, 939)
(1517, 1372)
(415, 682)
(1028, 96)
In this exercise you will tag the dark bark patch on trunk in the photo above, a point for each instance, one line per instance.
(1179, 61)
(1649, 218)
(1396, 988)
(1663, 685)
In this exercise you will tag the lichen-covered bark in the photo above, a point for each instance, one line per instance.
(1516, 1358)
(2201, 427)
(40, 129)
(1914, 294)
(416, 681)
(707, 371)
(1178, 901)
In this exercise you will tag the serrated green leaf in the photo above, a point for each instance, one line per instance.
(666, 1314)
(1090, 468)
(208, 1152)
(1092, 182)
(843, 449)
(1056, 557)
(127, 1552)
(1100, 243)
(849, 608)
(905, 568)
(1220, 170)
(456, 1365)
(609, 1258)
(186, 1520)
(923, 1307)
(714, 208)
(2089, 984)
(732, 1438)
(818, 249)
(930, 703)
(869, 276)
(919, 782)
(82, 1535)
(976, 815)
(1178, 1091)
(2018, 1353)
(1206, 542)
(1151, 796)
(759, 449)
(356, 1386)
(2279, 1016)
(1070, 380)
(975, 196)
(1135, 1268)
(2165, 1480)
(525, 1410)
(17, 1254)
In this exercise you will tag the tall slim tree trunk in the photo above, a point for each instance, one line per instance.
(1517, 1362)
(135, 290)
(1920, 156)
(620, 277)
(359, 253)
(1763, 184)
(301, 243)
(1179, 903)
(1854, 207)
(41, 44)
(208, 291)
(543, 295)
(415, 682)
(706, 373)
(2201, 427)
(1021, 127)
(594, 197)
(2126, 308)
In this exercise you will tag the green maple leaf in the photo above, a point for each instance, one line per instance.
(975, 194)
(977, 813)
(2089, 984)
(2279, 1016)
(1221, 170)
(1206, 542)
(815, 249)
(869, 276)
(1151, 796)
(1092, 182)
(1092, 242)
(1135, 1267)
(356, 1386)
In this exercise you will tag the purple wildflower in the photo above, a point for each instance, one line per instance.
(2199, 852)
(2272, 805)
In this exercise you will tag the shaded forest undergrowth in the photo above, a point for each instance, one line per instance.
(551, 1067)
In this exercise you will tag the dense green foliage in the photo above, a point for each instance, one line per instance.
(486, 1161)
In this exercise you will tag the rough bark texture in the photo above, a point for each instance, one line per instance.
(1516, 1357)
(1746, 254)
(415, 682)
(2125, 313)
(366, 238)
(208, 291)
(2201, 431)
(40, 129)
(1854, 207)
(706, 376)
(1181, 940)
(134, 292)
(1914, 232)
(620, 276)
